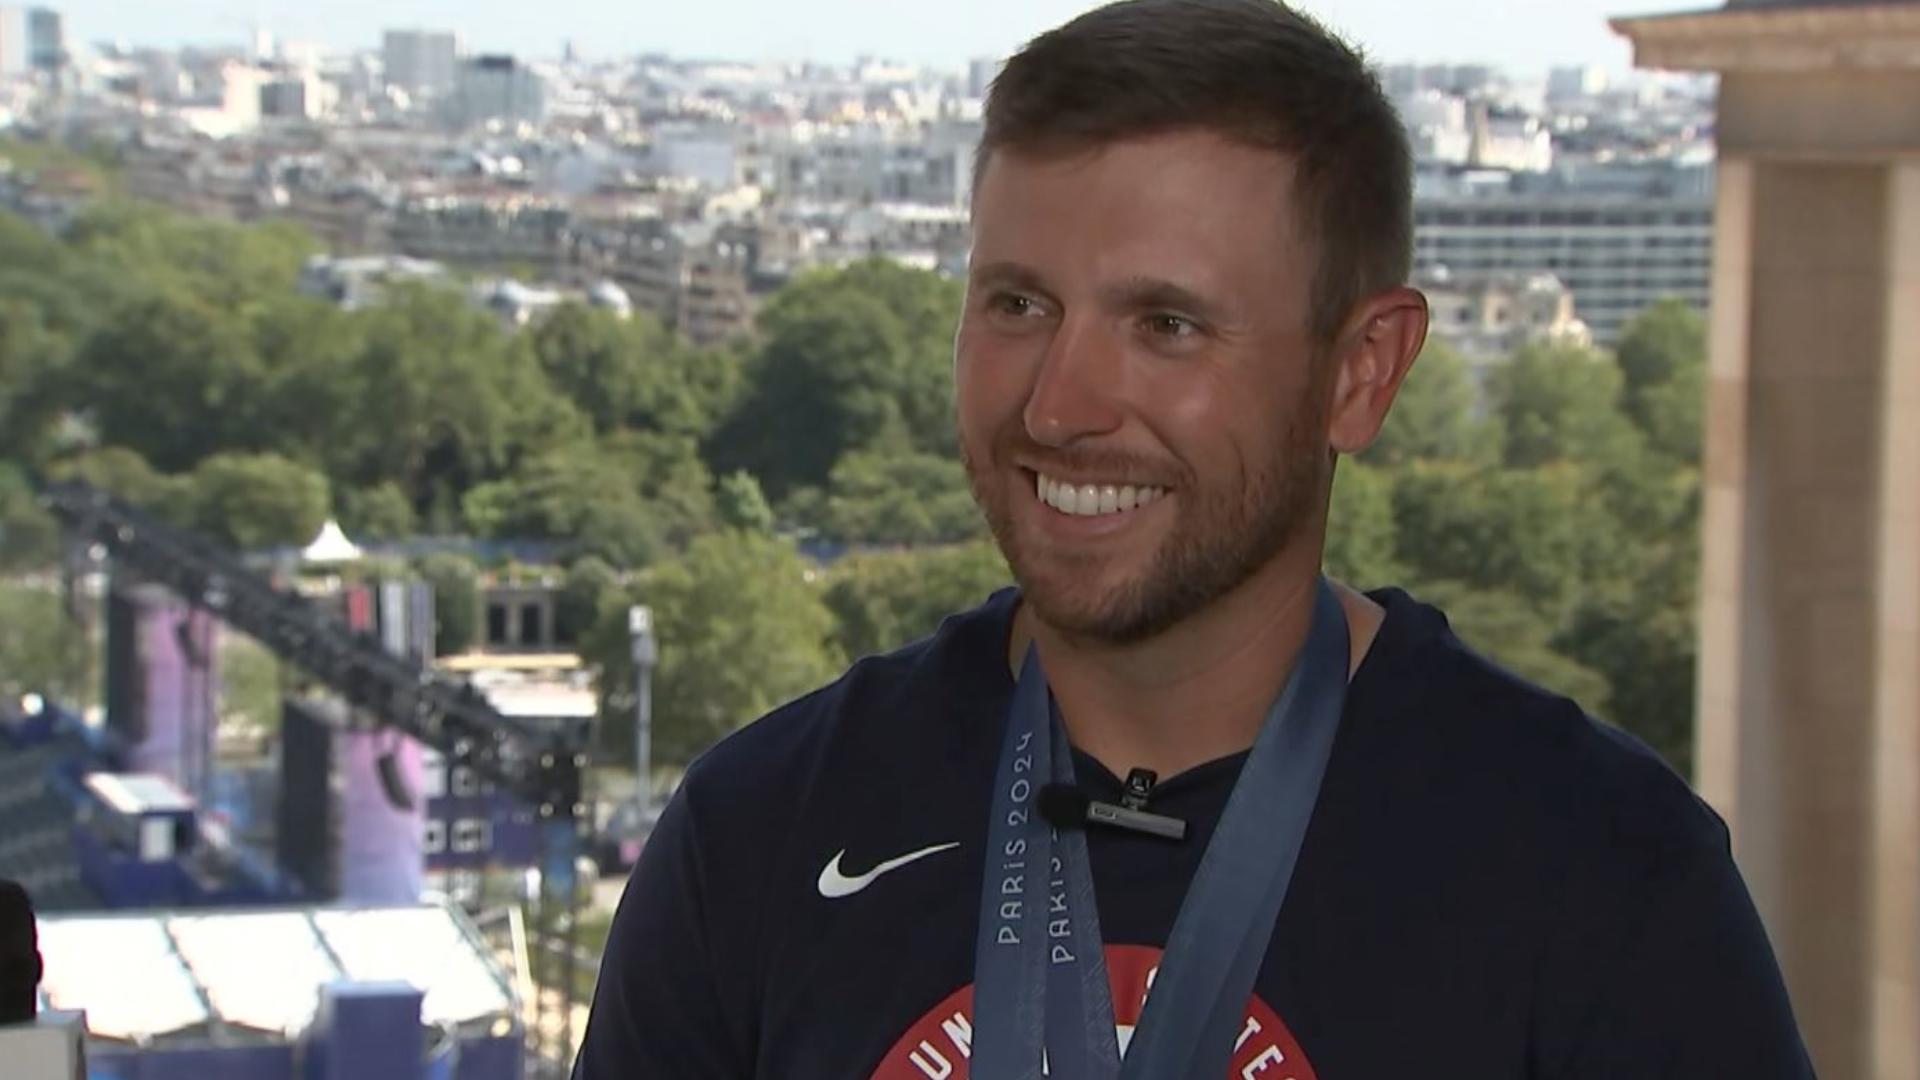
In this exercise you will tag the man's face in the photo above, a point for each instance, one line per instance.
(1136, 334)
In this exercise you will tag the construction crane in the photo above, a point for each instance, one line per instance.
(539, 765)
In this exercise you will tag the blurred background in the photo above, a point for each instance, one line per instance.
(425, 427)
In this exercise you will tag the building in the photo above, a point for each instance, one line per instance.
(696, 278)
(284, 99)
(706, 156)
(16, 41)
(981, 71)
(1576, 85)
(226, 97)
(1488, 316)
(522, 234)
(362, 281)
(1515, 142)
(470, 826)
(864, 165)
(497, 89)
(1618, 254)
(46, 40)
(913, 234)
(420, 62)
(1402, 80)
(515, 304)
(1808, 714)
(1436, 124)
(297, 95)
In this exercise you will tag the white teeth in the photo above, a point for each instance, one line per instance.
(1089, 500)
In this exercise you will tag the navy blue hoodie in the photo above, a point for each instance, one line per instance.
(1493, 885)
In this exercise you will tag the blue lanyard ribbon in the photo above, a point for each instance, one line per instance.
(1041, 992)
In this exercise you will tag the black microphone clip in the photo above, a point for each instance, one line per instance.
(1139, 788)
(1067, 807)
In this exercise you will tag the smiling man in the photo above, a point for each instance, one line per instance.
(1332, 840)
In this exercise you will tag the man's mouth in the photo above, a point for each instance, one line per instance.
(1093, 500)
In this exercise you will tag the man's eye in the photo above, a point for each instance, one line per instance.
(1172, 326)
(1013, 304)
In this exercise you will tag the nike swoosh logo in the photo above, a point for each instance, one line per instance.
(834, 884)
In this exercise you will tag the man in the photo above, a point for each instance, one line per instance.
(20, 965)
(1186, 300)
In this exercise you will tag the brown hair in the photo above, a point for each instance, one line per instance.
(1253, 70)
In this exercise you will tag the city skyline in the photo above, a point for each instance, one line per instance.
(1527, 40)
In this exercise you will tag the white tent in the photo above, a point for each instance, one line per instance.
(331, 546)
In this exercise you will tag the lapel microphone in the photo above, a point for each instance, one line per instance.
(1065, 806)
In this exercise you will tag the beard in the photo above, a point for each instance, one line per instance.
(1222, 535)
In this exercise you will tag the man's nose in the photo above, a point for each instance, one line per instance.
(1076, 393)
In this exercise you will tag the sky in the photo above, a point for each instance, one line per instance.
(1523, 36)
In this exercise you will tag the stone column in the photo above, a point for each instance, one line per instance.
(1895, 1015)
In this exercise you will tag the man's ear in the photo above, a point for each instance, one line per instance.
(1372, 356)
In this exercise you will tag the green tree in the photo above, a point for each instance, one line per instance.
(381, 512)
(742, 629)
(1663, 361)
(1361, 535)
(1659, 344)
(32, 358)
(885, 600)
(596, 359)
(249, 684)
(311, 398)
(1673, 414)
(1560, 403)
(94, 162)
(40, 647)
(740, 504)
(1640, 634)
(631, 372)
(446, 401)
(258, 500)
(904, 498)
(851, 359)
(1646, 652)
(169, 376)
(582, 494)
(928, 306)
(1510, 630)
(68, 293)
(825, 382)
(225, 266)
(455, 582)
(1530, 532)
(672, 478)
(1439, 414)
(124, 473)
(29, 537)
(589, 587)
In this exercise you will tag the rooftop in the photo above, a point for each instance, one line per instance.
(133, 794)
(153, 974)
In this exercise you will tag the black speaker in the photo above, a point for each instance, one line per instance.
(126, 678)
(306, 832)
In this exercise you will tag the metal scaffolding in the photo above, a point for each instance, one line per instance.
(542, 766)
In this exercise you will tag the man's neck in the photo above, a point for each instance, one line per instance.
(1201, 690)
